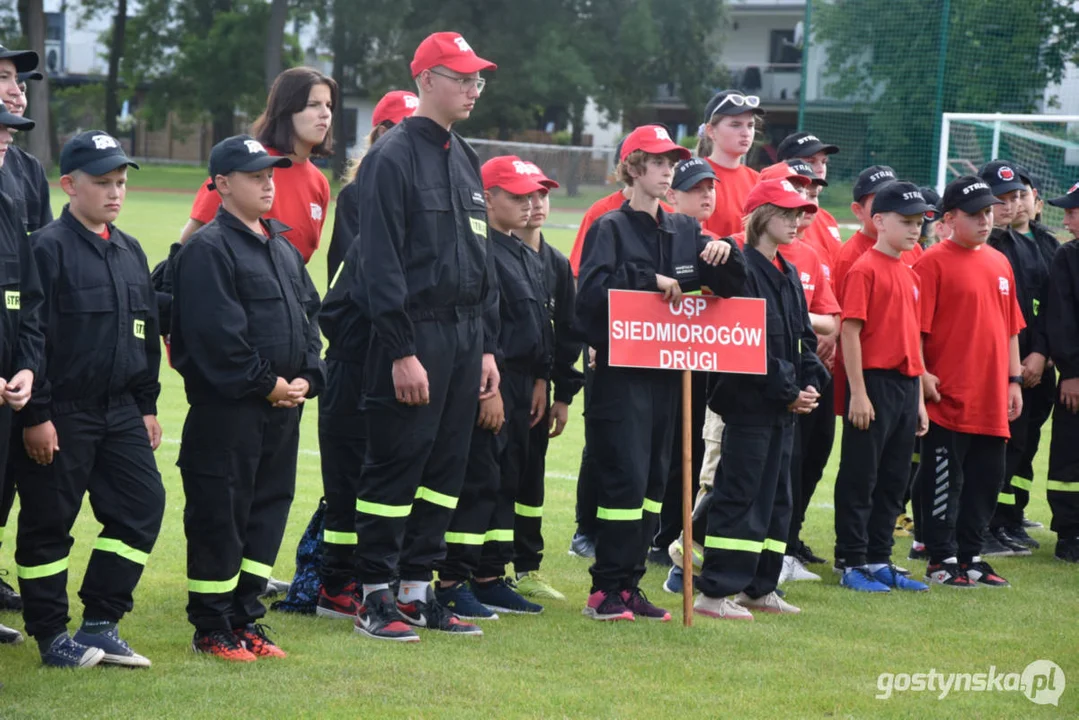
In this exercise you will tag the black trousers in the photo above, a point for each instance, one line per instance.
(9, 437)
(585, 509)
(1019, 455)
(342, 439)
(670, 515)
(750, 511)
(629, 425)
(814, 436)
(959, 477)
(874, 469)
(1063, 485)
(105, 453)
(528, 529)
(238, 464)
(416, 455)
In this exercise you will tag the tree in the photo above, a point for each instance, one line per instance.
(39, 142)
(117, 44)
(275, 41)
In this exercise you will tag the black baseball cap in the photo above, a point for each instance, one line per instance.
(1028, 177)
(688, 173)
(968, 193)
(241, 153)
(95, 152)
(872, 179)
(1002, 176)
(803, 145)
(24, 60)
(30, 75)
(15, 122)
(901, 197)
(1068, 200)
(931, 197)
(806, 170)
(719, 105)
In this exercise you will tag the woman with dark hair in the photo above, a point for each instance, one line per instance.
(296, 124)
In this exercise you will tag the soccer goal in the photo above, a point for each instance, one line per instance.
(573, 167)
(1047, 145)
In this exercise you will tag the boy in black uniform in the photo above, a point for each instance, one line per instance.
(95, 397)
(630, 419)
(245, 339)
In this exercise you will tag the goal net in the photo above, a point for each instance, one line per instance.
(575, 168)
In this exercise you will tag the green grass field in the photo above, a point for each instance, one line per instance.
(821, 664)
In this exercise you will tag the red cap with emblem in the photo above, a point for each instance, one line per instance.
(513, 175)
(394, 107)
(779, 193)
(449, 50)
(654, 140)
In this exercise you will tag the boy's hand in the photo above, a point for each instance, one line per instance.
(1015, 401)
(489, 378)
(1033, 368)
(861, 411)
(826, 349)
(923, 419)
(806, 402)
(410, 381)
(1069, 394)
(16, 392)
(930, 387)
(539, 402)
(716, 252)
(41, 442)
(297, 391)
(279, 396)
(672, 291)
(492, 415)
(153, 429)
(591, 358)
(559, 416)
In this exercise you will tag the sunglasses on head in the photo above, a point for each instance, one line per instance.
(738, 100)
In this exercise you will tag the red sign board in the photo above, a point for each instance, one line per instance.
(700, 332)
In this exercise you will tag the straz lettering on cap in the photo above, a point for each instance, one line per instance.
(412, 102)
(661, 134)
(808, 138)
(254, 146)
(975, 186)
(690, 164)
(786, 185)
(105, 142)
(882, 174)
(462, 45)
(913, 195)
(525, 168)
(800, 167)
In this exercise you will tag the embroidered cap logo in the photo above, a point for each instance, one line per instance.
(1006, 173)
(105, 142)
(254, 146)
(462, 45)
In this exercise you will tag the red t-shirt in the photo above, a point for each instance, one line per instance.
(731, 192)
(300, 201)
(600, 207)
(858, 245)
(969, 314)
(818, 290)
(883, 293)
(823, 235)
(104, 234)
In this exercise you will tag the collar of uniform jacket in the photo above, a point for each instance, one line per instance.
(116, 236)
(429, 130)
(512, 242)
(661, 220)
(273, 226)
(763, 264)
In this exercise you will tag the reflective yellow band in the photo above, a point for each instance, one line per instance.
(776, 546)
(652, 506)
(389, 511)
(916, 458)
(256, 568)
(603, 513)
(459, 538)
(1006, 499)
(498, 536)
(336, 275)
(1062, 486)
(436, 498)
(34, 572)
(339, 538)
(213, 587)
(1022, 483)
(528, 510)
(1037, 307)
(722, 543)
(122, 549)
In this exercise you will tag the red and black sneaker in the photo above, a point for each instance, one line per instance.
(434, 615)
(222, 644)
(342, 606)
(378, 618)
(253, 637)
(948, 575)
(981, 573)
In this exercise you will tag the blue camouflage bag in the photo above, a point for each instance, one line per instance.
(302, 596)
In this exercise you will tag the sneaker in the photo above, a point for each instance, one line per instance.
(659, 556)
(253, 637)
(861, 580)
(582, 546)
(378, 618)
(949, 575)
(808, 557)
(10, 636)
(533, 584)
(675, 581)
(460, 600)
(793, 571)
(275, 587)
(117, 652)
(982, 573)
(64, 652)
(342, 606)
(892, 578)
(839, 567)
(1019, 536)
(502, 596)
(675, 549)
(9, 599)
(1004, 538)
(770, 603)
(222, 644)
(721, 608)
(641, 607)
(603, 605)
(918, 553)
(1067, 549)
(432, 615)
(1031, 524)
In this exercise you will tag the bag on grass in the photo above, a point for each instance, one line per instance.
(303, 592)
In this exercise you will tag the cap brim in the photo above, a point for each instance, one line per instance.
(32, 75)
(16, 122)
(789, 203)
(914, 208)
(819, 181)
(549, 183)
(731, 110)
(662, 147)
(467, 65)
(520, 186)
(24, 60)
(687, 183)
(1065, 202)
(1006, 186)
(261, 163)
(976, 204)
(107, 165)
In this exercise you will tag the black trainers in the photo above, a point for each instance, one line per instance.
(1005, 538)
(982, 573)
(808, 557)
(993, 546)
(660, 557)
(1067, 549)
(1018, 535)
(432, 615)
(948, 575)
(917, 553)
(1031, 524)
(9, 599)
(378, 618)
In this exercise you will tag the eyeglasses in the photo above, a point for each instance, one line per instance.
(467, 84)
(737, 100)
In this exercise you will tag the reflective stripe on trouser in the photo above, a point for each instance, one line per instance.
(106, 454)
(629, 428)
(238, 464)
(1062, 489)
(1019, 453)
(413, 447)
(749, 511)
(342, 441)
(528, 525)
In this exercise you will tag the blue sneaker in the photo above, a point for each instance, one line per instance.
(502, 596)
(894, 579)
(117, 652)
(860, 579)
(63, 652)
(462, 603)
(675, 580)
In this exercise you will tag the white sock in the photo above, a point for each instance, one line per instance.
(918, 545)
(413, 590)
(873, 567)
(953, 560)
(976, 558)
(368, 589)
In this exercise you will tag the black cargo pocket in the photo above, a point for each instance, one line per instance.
(98, 299)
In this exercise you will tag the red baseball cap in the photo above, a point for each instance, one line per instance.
(449, 50)
(783, 171)
(394, 107)
(513, 175)
(652, 139)
(533, 170)
(777, 192)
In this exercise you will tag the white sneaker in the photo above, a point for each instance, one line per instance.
(722, 608)
(794, 570)
(770, 603)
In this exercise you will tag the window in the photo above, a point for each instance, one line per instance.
(782, 50)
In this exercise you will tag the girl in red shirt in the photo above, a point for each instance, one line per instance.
(730, 124)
